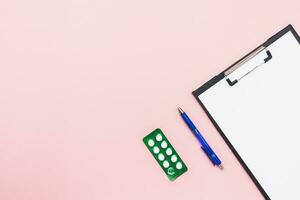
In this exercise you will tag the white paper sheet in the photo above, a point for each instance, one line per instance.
(260, 117)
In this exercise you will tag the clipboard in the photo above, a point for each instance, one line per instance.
(255, 106)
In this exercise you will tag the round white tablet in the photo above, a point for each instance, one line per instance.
(158, 137)
(179, 165)
(156, 150)
(164, 144)
(166, 164)
(161, 157)
(174, 158)
(169, 151)
(151, 143)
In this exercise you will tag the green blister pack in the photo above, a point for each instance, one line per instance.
(165, 154)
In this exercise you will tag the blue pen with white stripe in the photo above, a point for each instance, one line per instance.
(204, 145)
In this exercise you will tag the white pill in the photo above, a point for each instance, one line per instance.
(179, 165)
(158, 137)
(156, 150)
(174, 158)
(169, 151)
(151, 143)
(164, 144)
(166, 164)
(161, 157)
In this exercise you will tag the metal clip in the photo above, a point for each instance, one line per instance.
(243, 61)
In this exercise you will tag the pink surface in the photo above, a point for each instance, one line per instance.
(83, 81)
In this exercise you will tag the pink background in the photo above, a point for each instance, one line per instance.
(83, 81)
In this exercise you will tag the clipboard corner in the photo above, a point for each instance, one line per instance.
(208, 84)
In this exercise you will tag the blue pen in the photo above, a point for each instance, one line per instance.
(204, 145)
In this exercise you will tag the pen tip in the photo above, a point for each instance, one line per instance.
(221, 166)
(180, 110)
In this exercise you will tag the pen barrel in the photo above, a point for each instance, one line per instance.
(201, 139)
(188, 121)
(195, 131)
(204, 145)
(207, 149)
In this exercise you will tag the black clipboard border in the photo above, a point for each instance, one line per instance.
(219, 77)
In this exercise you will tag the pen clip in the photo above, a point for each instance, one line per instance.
(210, 154)
(245, 60)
